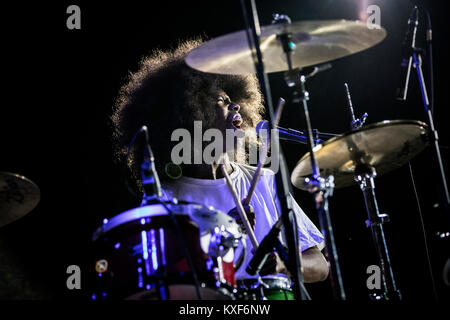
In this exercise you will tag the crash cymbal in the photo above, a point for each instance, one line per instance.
(316, 42)
(18, 196)
(385, 146)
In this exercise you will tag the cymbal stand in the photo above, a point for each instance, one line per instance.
(364, 176)
(293, 263)
(322, 187)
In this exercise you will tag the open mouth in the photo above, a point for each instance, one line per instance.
(237, 121)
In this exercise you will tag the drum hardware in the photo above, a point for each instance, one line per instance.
(222, 241)
(313, 42)
(150, 230)
(283, 187)
(180, 236)
(355, 123)
(221, 246)
(146, 261)
(152, 193)
(364, 175)
(18, 196)
(321, 187)
(386, 146)
(356, 157)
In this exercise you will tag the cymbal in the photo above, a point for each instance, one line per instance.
(18, 196)
(385, 146)
(317, 41)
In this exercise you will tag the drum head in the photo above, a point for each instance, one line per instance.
(206, 218)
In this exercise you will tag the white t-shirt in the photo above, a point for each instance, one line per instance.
(265, 203)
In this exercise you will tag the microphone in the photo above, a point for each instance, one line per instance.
(264, 249)
(291, 134)
(408, 45)
(150, 179)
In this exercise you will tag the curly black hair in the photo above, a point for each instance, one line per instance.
(165, 94)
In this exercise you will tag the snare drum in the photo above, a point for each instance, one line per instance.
(267, 288)
(139, 255)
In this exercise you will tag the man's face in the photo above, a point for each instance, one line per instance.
(228, 116)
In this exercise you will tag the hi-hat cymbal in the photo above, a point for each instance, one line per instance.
(18, 196)
(316, 42)
(385, 146)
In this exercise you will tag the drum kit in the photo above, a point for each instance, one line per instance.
(170, 250)
(140, 253)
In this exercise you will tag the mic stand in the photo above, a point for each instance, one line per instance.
(415, 59)
(417, 63)
(152, 194)
(281, 176)
(267, 245)
(270, 243)
(150, 179)
(320, 186)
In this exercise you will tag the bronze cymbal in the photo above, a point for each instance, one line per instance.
(316, 42)
(18, 196)
(385, 146)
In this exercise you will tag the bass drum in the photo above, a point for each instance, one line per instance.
(139, 254)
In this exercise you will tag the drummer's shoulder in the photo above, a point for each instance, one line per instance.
(248, 169)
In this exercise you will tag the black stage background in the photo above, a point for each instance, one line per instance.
(54, 129)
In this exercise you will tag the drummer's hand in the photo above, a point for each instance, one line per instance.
(250, 216)
(273, 265)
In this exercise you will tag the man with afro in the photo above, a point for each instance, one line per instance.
(165, 94)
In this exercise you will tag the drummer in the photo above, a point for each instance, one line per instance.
(165, 95)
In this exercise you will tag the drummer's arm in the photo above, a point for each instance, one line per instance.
(315, 266)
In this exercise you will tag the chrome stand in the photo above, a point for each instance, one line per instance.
(321, 187)
(365, 178)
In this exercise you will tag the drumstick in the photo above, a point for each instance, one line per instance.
(240, 209)
(263, 153)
